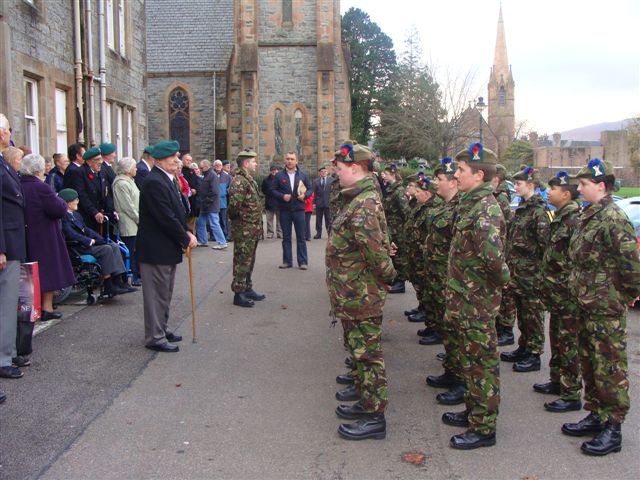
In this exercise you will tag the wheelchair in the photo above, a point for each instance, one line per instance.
(88, 277)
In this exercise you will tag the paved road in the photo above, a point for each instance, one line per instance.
(253, 398)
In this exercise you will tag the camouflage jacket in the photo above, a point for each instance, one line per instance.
(477, 270)
(416, 224)
(556, 265)
(334, 195)
(440, 229)
(504, 200)
(604, 253)
(245, 204)
(395, 210)
(358, 264)
(527, 240)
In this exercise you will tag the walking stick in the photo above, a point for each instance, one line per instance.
(193, 299)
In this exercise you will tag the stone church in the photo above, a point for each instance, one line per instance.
(271, 75)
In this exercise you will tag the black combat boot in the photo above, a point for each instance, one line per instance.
(351, 412)
(530, 363)
(346, 379)
(446, 380)
(470, 440)
(453, 396)
(514, 355)
(348, 394)
(587, 426)
(561, 405)
(373, 425)
(456, 419)
(419, 317)
(241, 300)
(425, 332)
(348, 361)
(549, 388)
(412, 311)
(607, 441)
(505, 336)
(397, 287)
(251, 294)
(433, 339)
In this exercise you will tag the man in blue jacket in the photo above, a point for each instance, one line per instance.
(292, 187)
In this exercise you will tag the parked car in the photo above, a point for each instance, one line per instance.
(631, 206)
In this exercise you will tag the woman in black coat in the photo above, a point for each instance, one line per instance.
(45, 243)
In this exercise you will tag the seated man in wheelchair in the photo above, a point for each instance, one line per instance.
(88, 241)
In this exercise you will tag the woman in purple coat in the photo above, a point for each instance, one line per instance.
(45, 243)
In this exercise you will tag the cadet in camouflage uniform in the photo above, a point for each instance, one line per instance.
(604, 279)
(476, 274)
(440, 229)
(409, 234)
(564, 365)
(359, 270)
(395, 210)
(527, 241)
(245, 212)
(507, 316)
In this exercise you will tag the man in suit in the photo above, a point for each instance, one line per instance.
(144, 166)
(75, 152)
(224, 180)
(12, 250)
(162, 236)
(271, 203)
(89, 241)
(292, 188)
(108, 153)
(321, 190)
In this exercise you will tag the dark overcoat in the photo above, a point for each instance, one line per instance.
(12, 241)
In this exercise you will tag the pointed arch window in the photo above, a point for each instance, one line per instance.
(298, 129)
(502, 96)
(179, 118)
(287, 11)
(277, 131)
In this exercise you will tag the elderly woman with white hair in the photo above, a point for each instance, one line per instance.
(45, 242)
(126, 197)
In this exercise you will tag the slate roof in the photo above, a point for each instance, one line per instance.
(188, 35)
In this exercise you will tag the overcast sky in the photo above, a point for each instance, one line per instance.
(574, 63)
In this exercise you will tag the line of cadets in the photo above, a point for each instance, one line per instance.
(478, 267)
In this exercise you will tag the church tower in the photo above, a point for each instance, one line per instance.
(501, 118)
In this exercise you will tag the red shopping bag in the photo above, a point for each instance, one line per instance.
(29, 306)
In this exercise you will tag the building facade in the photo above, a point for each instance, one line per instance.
(74, 70)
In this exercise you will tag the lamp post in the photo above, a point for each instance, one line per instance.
(480, 105)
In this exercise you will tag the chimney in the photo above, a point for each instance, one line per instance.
(556, 139)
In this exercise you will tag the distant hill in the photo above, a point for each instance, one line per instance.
(592, 132)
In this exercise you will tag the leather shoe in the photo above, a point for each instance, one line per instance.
(453, 396)
(446, 380)
(397, 287)
(172, 337)
(285, 265)
(425, 332)
(505, 337)
(251, 294)
(587, 426)
(530, 363)
(351, 412)
(316, 237)
(241, 300)
(412, 311)
(514, 355)
(165, 347)
(46, 316)
(456, 419)
(10, 372)
(21, 361)
(470, 440)
(441, 356)
(346, 379)
(349, 394)
(418, 317)
(549, 388)
(371, 426)
(607, 441)
(561, 405)
(433, 339)
(348, 361)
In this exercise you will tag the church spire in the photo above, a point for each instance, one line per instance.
(501, 68)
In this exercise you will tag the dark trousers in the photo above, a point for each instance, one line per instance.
(307, 225)
(287, 219)
(320, 214)
(130, 242)
(224, 223)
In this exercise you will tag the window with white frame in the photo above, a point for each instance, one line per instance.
(116, 25)
(32, 134)
(129, 149)
(61, 121)
(111, 27)
(107, 127)
(118, 130)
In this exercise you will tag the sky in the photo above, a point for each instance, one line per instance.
(574, 62)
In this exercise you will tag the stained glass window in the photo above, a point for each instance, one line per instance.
(502, 96)
(179, 118)
(298, 119)
(277, 129)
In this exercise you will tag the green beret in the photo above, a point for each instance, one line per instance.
(477, 154)
(247, 153)
(447, 166)
(225, 162)
(563, 179)
(148, 150)
(274, 167)
(528, 174)
(427, 184)
(322, 168)
(91, 153)
(165, 149)
(107, 148)
(596, 169)
(68, 194)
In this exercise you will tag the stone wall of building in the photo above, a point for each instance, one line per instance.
(302, 28)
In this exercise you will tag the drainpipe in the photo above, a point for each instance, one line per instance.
(89, 38)
(103, 73)
(77, 40)
(214, 115)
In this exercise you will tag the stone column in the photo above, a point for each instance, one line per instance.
(5, 63)
(248, 62)
(325, 77)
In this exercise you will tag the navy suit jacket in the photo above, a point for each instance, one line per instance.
(142, 170)
(94, 194)
(12, 224)
(77, 233)
(282, 186)
(69, 174)
(162, 231)
(321, 198)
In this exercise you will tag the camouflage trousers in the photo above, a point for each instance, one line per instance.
(530, 316)
(400, 259)
(445, 325)
(602, 345)
(564, 365)
(480, 362)
(363, 337)
(244, 258)
(507, 315)
(416, 275)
